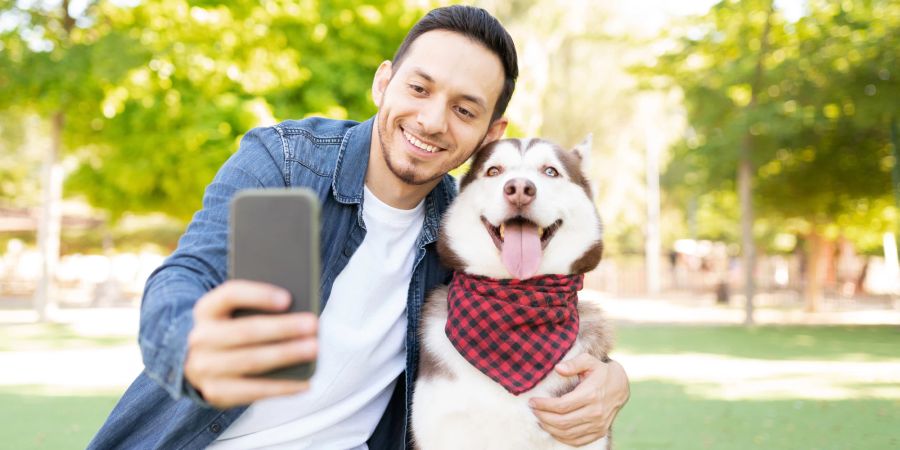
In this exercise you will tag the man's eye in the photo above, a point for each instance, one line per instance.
(551, 172)
(493, 171)
(417, 89)
(465, 112)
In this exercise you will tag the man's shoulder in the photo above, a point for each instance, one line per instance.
(316, 143)
(445, 192)
(317, 129)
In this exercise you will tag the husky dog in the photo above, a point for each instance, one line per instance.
(519, 237)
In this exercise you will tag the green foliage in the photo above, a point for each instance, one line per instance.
(157, 96)
(818, 123)
(18, 170)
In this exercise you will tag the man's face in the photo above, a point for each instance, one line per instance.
(434, 110)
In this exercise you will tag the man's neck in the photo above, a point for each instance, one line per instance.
(388, 187)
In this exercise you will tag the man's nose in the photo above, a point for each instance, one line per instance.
(432, 117)
(519, 191)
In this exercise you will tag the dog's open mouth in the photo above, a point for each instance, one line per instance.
(521, 243)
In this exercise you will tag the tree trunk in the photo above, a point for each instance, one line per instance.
(860, 283)
(820, 253)
(50, 223)
(748, 247)
(653, 241)
(895, 173)
(895, 177)
(745, 179)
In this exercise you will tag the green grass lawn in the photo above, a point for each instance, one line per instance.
(664, 416)
(662, 413)
(32, 418)
(676, 414)
(52, 336)
(836, 342)
(49, 417)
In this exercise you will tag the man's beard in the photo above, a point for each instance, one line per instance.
(409, 176)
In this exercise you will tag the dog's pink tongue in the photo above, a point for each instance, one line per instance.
(521, 252)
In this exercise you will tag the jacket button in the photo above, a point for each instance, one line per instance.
(215, 427)
(347, 251)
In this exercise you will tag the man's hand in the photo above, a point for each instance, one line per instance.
(585, 414)
(224, 352)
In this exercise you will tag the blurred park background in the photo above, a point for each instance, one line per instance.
(745, 157)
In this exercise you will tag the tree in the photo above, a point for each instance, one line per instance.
(215, 70)
(816, 122)
(574, 79)
(151, 99)
(54, 65)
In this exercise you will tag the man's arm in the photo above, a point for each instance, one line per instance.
(199, 266)
(585, 414)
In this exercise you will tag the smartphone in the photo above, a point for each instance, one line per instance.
(274, 238)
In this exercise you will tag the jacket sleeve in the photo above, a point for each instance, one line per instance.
(200, 262)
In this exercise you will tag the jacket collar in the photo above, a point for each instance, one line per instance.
(350, 174)
(352, 161)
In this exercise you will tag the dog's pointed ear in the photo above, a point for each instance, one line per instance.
(583, 150)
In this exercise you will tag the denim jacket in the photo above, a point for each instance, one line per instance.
(160, 409)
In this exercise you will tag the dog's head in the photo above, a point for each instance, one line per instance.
(524, 209)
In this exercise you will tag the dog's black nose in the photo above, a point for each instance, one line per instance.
(519, 191)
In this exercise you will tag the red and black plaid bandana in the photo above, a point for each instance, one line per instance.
(513, 331)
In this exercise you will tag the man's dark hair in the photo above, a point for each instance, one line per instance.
(478, 25)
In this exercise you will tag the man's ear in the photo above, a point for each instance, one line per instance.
(380, 83)
(495, 131)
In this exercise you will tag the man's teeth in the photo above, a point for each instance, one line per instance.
(540, 232)
(420, 144)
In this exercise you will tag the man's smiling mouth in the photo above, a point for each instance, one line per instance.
(419, 144)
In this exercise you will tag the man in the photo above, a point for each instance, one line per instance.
(383, 185)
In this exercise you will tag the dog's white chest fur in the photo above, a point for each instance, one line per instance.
(455, 406)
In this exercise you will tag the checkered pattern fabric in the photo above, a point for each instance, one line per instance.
(513, 331)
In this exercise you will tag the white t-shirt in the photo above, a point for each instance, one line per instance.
(362, 335)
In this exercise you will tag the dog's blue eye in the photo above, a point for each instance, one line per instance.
(551, 172)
